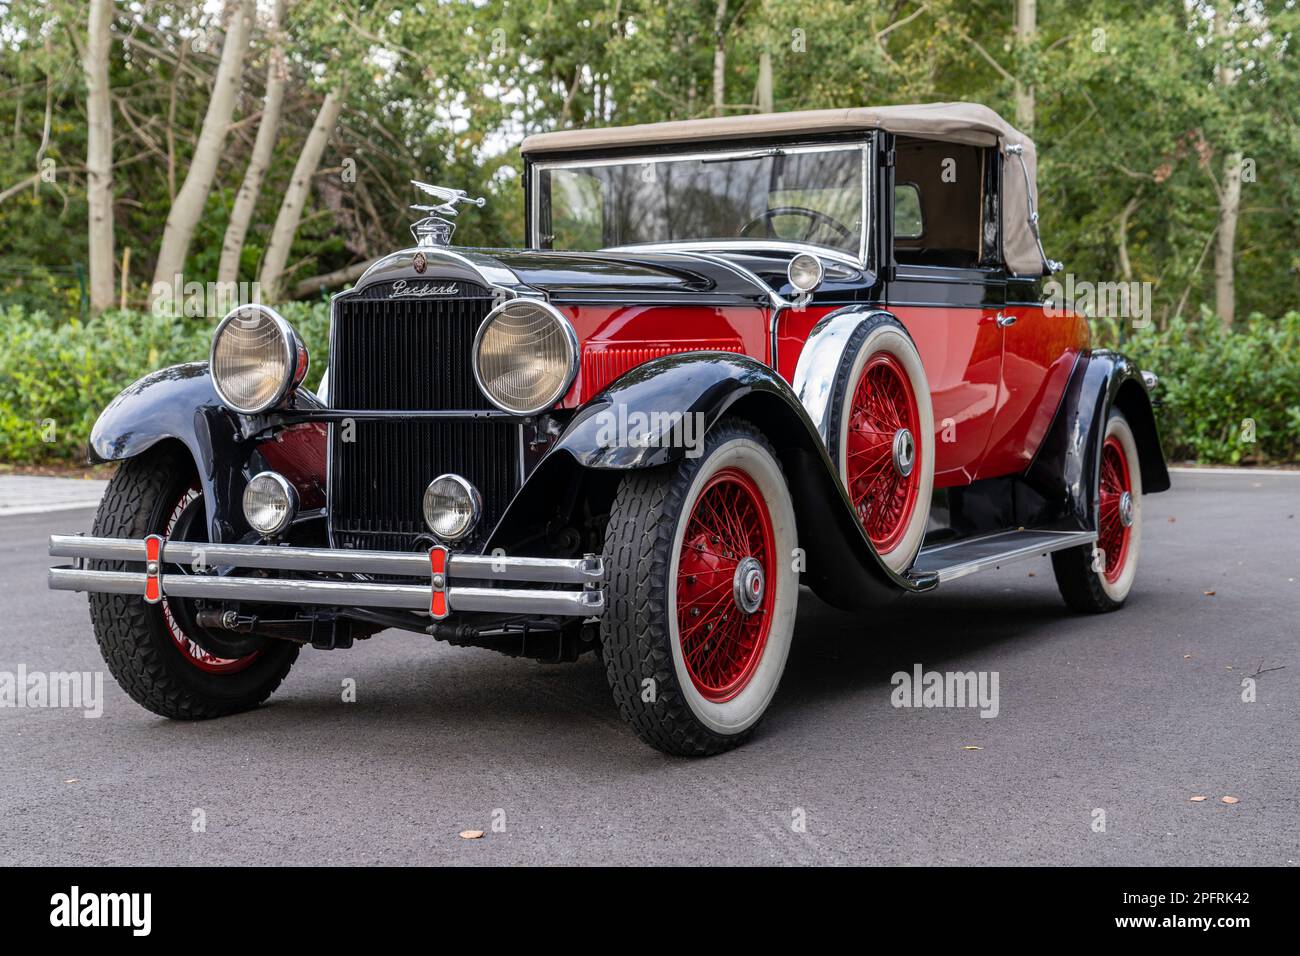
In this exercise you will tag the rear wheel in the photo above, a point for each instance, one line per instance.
(156, 652)
(1097, 578)
(700, 594)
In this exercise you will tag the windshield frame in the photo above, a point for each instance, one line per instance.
(862, 145)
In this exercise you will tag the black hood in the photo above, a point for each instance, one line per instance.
(648, 277)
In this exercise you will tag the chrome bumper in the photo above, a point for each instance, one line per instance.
(437, 593)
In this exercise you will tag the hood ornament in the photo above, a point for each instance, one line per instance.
(434, 229)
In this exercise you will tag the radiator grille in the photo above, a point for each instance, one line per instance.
(411, 355)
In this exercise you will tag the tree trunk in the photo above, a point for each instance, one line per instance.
(1026, 28)
(187, 209)
(295, 197)
(99, 155)
(241, 214)
(313, 287)
(719, 59)
(1225, 297)
(765, 100)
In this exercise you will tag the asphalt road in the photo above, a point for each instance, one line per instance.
(1130, 713)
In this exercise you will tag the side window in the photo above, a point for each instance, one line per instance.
(940, 198)
(908, 221)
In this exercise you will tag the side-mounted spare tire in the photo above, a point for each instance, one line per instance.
(881, 437)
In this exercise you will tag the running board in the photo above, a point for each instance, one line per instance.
(960, 558)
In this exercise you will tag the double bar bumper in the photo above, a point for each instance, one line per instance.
(436, 593)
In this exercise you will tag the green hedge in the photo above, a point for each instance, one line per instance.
(55, 377)
(1229, 397)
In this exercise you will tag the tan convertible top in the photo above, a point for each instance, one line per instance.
(969, 123)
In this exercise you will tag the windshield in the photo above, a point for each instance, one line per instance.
(808, 195)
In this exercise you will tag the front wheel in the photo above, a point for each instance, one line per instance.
(157, 652)
(701, 593)
(1097, 578)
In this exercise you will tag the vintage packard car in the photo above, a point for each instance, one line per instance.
(738, 357)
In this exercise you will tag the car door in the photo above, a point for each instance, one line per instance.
(952, 316)
(1039, 349)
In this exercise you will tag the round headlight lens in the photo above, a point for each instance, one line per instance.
(451, 507)
(270, 503)
(256, 359)
(805, 272)
(525, 356)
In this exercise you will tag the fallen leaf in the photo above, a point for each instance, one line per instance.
(1032, 574)
(471, 834)
(1229, 800)
(1209, 593)
(1172, 519)
(1187, 657)
(971, 747)
(71, 780)
(1197, 799)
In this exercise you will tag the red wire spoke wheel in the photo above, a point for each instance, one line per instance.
(724, 604)
(701, 592)
(190, 650)
(1116, 508)
(882, 455)
(1097, 577)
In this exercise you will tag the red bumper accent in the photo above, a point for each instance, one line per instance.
(438, 582)
(153, 569)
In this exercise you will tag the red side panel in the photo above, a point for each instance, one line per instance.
(298, 453)
(1039, 352)
(961, 352)
(616, 338)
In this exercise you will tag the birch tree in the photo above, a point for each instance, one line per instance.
(187, 208)
(1026, 28)
(719, 58)
(99, 154)
(241, 214)
(295, 197)
(1229, 189)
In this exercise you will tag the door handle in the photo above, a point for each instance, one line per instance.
(1005, 319)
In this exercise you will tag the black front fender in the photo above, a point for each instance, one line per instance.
(697, 389)
(1066, 467)
(180, 404)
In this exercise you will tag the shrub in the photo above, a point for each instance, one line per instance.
(56, 377)
(1228, 397)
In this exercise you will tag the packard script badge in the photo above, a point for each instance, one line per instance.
(420, 262)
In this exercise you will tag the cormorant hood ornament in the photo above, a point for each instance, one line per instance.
(436, 228)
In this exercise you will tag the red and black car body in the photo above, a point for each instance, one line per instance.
(982, 428)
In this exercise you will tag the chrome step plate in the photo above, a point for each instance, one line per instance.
(959, 558)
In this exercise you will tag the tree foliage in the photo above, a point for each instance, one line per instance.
(1133, 119)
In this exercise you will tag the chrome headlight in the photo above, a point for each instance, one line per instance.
(270, 503)
(256, 359)
(805, 272)
(525, 356)
(452, 507)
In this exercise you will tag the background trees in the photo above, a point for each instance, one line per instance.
(259, 139)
